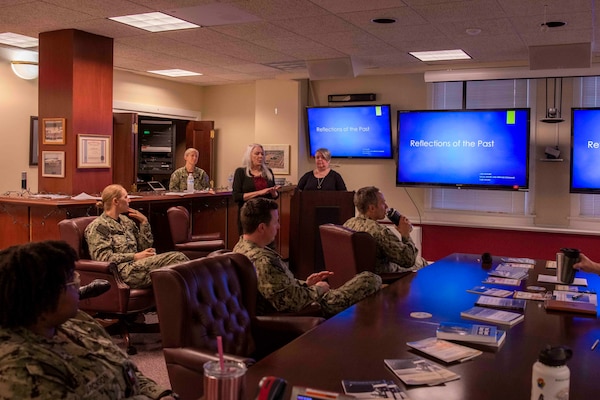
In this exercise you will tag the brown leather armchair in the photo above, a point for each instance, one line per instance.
(193, 246)
(201, 299)
(347, 253)
(120, 302)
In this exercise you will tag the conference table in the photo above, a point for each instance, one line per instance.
(353, 344)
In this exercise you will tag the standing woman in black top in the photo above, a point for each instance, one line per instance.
(253, 179)
(322, 177)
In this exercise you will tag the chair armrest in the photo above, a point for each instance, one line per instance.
(206, 236)
(206, 245)
(100, 267)
(194, 359)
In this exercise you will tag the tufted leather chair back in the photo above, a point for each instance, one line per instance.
(346, 252)
(201, 299)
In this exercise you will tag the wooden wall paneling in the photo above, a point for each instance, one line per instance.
(14, 224)
(201, 136)
(209, 214)
(75, 83)
(125, 151)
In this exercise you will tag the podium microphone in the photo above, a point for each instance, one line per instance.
(94, 289)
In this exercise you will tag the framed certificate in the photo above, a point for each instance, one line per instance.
(93, 151)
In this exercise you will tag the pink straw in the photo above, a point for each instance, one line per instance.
(220, 350)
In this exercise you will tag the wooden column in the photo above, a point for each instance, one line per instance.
(75, 83)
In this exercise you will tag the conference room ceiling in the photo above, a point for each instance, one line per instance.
(247, 40)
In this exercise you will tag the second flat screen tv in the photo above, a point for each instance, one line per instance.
(351, 131)
(585, 150)
(475, 149)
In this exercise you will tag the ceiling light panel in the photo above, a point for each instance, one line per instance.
(154, 22)
(14, 39)
(440, 55)
(175, 72)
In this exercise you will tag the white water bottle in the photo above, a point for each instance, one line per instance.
(190, 183)
(550, 376)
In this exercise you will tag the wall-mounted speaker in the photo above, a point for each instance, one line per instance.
(560, 56)
(344, 98)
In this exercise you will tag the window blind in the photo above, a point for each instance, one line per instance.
(480, 94)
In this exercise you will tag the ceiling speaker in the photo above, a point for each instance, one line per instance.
(345, 98)
(560, 56)
(337, 68)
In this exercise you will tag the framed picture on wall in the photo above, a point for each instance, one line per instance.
(53, 164)
(93, 151)
(53, 130)
(277, 157)
(33, 141)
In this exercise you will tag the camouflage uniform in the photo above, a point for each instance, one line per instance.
(394, 254)
(79, 362)
(280, 291)
(118, 241)
(178, 182)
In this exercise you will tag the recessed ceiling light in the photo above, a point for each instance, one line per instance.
(14, 39)
(440, 55)
(155, 22)
(473, 31)
(175, 72)
(384, 20)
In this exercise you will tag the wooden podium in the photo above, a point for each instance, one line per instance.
(309, 209)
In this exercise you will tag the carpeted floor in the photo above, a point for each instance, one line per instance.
(149, 358)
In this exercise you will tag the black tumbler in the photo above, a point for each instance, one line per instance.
(393, 215)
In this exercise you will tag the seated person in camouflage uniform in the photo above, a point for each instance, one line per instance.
(116, 237)
(178, 181)
(278, 289)
(394, 254)
(48, 348)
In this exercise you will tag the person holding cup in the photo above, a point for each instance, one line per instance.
(394, 253)
(587, 265)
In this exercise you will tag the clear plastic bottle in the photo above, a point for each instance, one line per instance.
(550, 376)
(190, 183)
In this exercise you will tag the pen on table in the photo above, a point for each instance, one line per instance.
(595, 344)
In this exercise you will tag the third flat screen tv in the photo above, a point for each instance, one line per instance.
(475, 149)
(585, 150)
(363, 131)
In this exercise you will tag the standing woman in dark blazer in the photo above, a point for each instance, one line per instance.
(253, 179)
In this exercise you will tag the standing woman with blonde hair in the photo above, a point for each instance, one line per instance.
(253, 179)
(116, 237)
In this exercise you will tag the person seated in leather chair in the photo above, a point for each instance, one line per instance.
(278, 289)
(116, 237)
(49, 348)
(393, 254)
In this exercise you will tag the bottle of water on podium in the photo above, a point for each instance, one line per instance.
(190, 183)
(550, 376)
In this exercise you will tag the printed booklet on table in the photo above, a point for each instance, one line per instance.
(373, 389)
(490, 291)
(443, 350)
(419, 371)
(493, 316)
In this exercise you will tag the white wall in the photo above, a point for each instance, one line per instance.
(18, 101)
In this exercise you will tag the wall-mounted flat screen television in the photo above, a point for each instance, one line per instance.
(585, 150)
(363, 131)
(475, 149)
